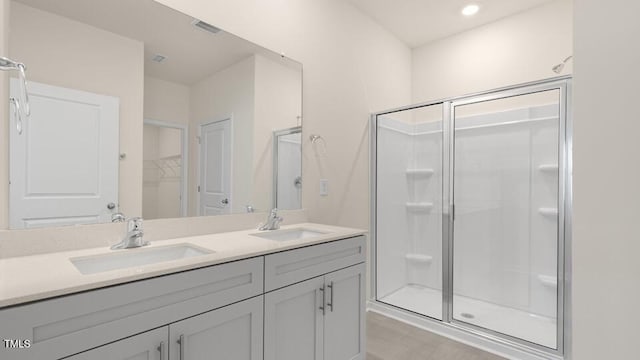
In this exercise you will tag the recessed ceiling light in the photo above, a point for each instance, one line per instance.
(470, 10)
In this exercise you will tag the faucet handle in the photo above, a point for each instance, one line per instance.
(134, 223)
(118, 217)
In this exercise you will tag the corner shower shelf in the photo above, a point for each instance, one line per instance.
(550, 212)
(419, 258)
(548, 168)
(548, 281)
(419, 206)
(420, 172)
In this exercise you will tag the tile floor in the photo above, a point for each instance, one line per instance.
(389, 339)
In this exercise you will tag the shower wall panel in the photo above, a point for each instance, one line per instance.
(506, 215)
(393, 226)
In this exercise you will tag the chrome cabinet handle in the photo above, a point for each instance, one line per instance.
(324, 298)
(183, 344)
(162, 351)
(330, 303)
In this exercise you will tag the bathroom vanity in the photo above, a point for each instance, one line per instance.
(295, 293)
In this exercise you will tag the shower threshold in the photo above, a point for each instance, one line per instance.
(514, 322)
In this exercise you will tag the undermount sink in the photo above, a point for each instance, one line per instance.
(289, 234)
(128, 258)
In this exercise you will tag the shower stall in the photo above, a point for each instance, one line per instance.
(470, 209)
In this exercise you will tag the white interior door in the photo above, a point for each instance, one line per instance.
(215, 168)
(64, 164)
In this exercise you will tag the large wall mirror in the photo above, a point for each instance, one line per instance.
(140, 109)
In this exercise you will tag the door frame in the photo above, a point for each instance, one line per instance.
(199, 158)
(184, 158)
(506, 343)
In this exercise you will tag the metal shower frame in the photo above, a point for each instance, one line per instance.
(563, 85)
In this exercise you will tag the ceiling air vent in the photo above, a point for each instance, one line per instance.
(158, 58)
(205, 26)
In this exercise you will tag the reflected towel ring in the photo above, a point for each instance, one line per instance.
(314, 138)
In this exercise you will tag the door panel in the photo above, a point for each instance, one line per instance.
(344, 321)
(294, 323)
(64, 165)
(215, 168)
(145, 346)
(231, 332)
(506, 157)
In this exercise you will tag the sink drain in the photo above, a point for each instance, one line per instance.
(467, 315)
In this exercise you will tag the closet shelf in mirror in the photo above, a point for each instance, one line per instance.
(165, 168)
(419, 258)
(549, 168)
(419, 206)
(417, 172)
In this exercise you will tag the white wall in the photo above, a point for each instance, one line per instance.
(514, 50)
(606, 240)
(351, 67)
(63, 52)
(166, 101)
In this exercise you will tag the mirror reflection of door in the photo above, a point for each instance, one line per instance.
(215, 168)
(164, 172)
(74, 181)
(287, 168)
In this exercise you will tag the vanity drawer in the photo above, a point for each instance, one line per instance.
(288, 267)
(74, 323)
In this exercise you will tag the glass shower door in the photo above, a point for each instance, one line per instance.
(409, 209)
(506, 223)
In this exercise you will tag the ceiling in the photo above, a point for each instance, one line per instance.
(417, 22)
(192, 54)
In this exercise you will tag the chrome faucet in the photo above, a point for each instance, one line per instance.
(273, 221)
(133, 238)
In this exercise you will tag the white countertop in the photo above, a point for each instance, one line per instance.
(29, 278)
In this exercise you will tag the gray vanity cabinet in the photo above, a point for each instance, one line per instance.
(233, 332)
(294, 322)
(304, 303)
(321, 318)
(344, 321)
(150, 345)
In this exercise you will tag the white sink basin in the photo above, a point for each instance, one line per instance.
(289, 234)
(127, 258)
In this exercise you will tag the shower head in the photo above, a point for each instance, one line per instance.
(558, 68)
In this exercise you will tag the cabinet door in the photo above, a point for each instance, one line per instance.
(232, 332)
(151, 345)
(293, 323)
(344, 320)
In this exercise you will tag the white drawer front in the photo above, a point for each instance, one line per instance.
(288, 267)
(74, 323)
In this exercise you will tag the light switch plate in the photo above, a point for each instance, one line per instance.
(324, 187)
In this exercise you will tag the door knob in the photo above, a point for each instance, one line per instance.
(111, 206)
(225, 201)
